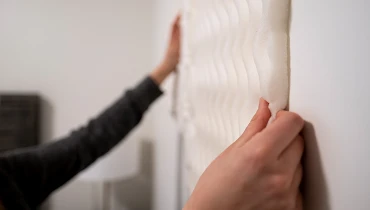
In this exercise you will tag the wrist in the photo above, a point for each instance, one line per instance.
(160, 73)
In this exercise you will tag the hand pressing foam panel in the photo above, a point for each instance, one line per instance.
(271, 53)
(234, 52)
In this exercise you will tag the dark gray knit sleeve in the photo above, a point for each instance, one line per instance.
(34, 173)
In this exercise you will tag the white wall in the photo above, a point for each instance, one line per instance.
(330, 86)
(79, 55)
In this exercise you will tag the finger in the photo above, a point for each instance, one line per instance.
(275, 138)
(257, 124)
(259, 120)
(292, 155)
(299, 202)
(178, 17)
(175, 28)
(176, 21)
(297, 178)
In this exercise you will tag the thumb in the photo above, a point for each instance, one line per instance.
(257, 124)
(259, 120)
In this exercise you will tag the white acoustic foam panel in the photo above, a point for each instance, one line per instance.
(234, 52)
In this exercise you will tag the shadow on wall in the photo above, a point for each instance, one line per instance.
(315, 192)
(136, 193)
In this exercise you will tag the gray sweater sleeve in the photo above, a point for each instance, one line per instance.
(32, 174)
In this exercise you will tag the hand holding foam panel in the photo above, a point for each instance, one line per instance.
(237, 52)
(271, 53)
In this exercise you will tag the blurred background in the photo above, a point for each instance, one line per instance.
(78, 56)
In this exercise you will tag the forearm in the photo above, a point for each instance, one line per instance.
(28, 176)
(38, 171)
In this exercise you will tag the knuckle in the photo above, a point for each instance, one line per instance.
(296, 119)
(279, 184)
(256, 158)
(260, 153)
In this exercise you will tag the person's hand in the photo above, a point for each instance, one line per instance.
(260, 171)
(172, 56)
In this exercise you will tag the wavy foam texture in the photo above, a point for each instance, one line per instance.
(234, 52)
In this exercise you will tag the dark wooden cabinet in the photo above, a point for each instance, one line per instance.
(19, 121)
